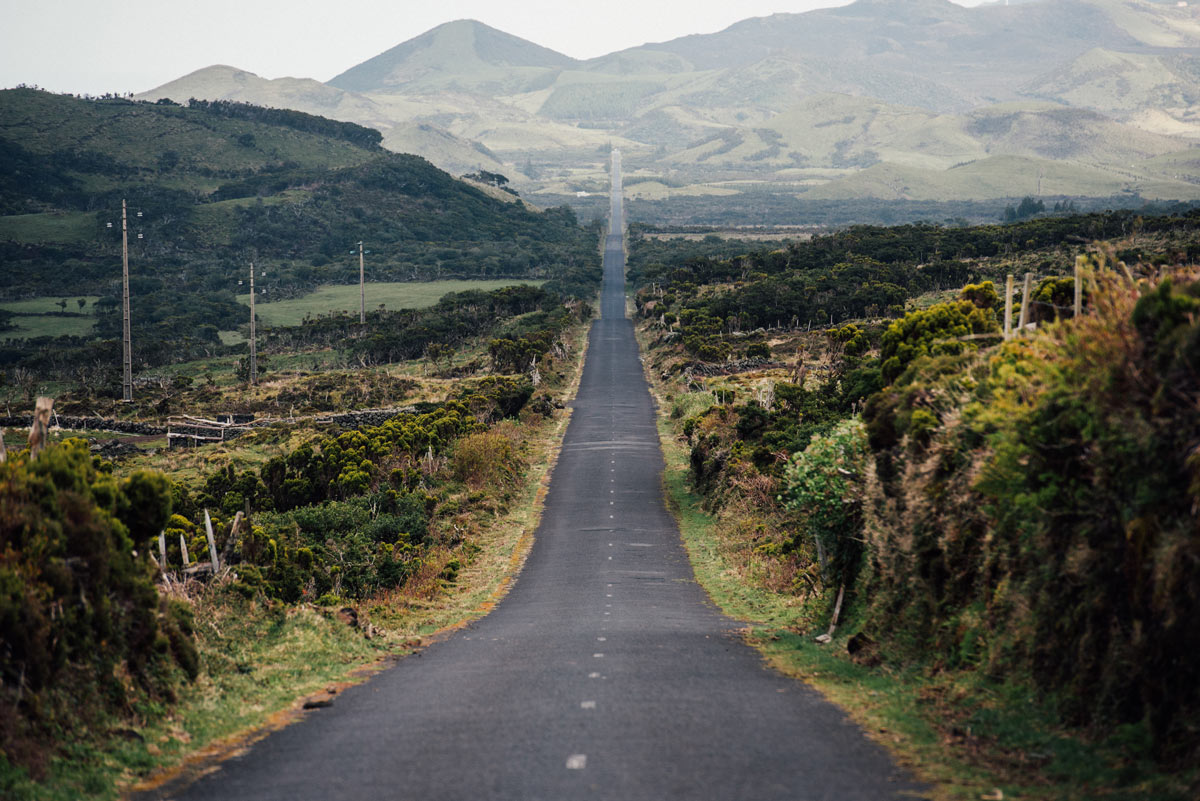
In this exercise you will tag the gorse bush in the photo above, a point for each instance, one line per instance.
(937, 330)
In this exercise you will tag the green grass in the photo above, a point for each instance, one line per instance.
(48, 304)
(43, 326)
(34, 319)
(396, 295)
(65, 226)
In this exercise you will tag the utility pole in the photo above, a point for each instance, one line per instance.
(127, 379)
(253, 337)
(362, 287)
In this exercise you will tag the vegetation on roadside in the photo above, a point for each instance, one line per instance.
(999, 534)
(383, 488)
(356, 543)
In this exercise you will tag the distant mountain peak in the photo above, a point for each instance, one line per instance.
(461, 46)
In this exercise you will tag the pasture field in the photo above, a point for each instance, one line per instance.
(36, 317)
(393, 295)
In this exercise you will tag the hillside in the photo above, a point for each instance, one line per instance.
(213, 186)
(791, 101)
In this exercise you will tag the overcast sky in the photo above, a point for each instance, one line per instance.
(98, 46)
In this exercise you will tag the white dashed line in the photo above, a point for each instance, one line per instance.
(608, 595)
(597, 656)
(593, 675)
(601, 639)
(577, 762)
(587, 704)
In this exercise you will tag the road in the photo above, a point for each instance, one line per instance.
(606, 673)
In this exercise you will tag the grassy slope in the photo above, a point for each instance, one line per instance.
(53, 226)
(35, 319)
(138, 136)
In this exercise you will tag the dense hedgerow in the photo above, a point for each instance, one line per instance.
(1021, 511)
(1032, 511)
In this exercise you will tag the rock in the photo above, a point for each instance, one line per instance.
(823, 638)
(317, 703)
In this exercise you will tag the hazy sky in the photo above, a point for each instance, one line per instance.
(98, 46)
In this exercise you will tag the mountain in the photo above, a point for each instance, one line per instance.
(221, 82)
(1123, 84)
(425, 139)
(457, 55)
(791, 102)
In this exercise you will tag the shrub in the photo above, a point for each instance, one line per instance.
(77, 599)
(485, 460)
(1042, 523)
(824, 486)
(939, 329)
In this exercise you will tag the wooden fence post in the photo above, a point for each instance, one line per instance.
(1026, 302)
(39, 432)
(183, 549)
(1008, 293)
(162, 550)
(212, 542)
(1078, 285)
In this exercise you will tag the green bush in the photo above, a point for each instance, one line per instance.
(937, 330)
(78, 605)
(824, 486)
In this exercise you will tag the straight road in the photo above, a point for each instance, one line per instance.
(606, 673)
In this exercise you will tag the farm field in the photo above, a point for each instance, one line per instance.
(36, 317)
(394, 295)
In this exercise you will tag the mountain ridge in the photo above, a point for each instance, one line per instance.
(715, 107)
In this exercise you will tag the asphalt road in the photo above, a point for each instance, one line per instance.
(606, 673)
